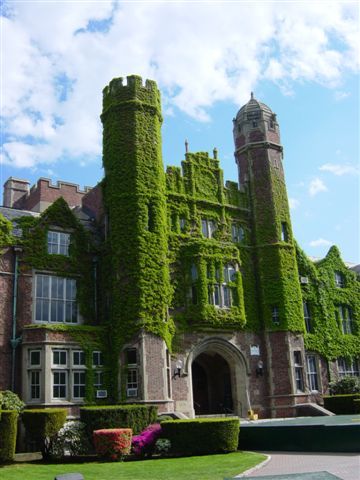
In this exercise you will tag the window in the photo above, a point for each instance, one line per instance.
(58, 243)
(237, 233)
(275, 316)
(78, 384)
(339, 280)
(34, 384)
(348, 366)
(59, 358)
(78, 358)
(132, 372)
(98, 379)
(182, 224)
(55, 299)
(307, 317)
(298, 371)
(60, 384)
(346, 321)
(194, 272)
(207, 227)
(34, 358)
(284, 232)
(221, 295)
(131, 356)
(97, 359)
(312, 373)
(254, 123)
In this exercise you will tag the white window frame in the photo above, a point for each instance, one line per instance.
(60, 385)
(298, 371)
(307, 317)
(275, 315)
(50, 308)
(61, 353)
(346, 320)
(312, 372)
(339, 279)
(58, 243)
(81, 355)
(208, 227)
(237, 233)
(221, 295)
(348, 367)
(78, 384)
(97, 354)
(35, 385)
(30, 352)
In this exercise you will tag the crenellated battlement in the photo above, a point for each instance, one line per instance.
(133, 90)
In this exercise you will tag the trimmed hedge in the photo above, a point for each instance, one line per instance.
(136, 417)
(42, 425)
(341, 404)
(202, 436)
(357, 405)
(8, 431)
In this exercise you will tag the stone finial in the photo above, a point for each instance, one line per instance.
(252, 95)
(215, 153)
(186, 146)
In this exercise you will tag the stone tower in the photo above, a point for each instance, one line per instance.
(259, 156)
(135, 265)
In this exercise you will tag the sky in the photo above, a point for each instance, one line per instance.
(301, 58)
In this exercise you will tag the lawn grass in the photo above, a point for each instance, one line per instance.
(207, 467)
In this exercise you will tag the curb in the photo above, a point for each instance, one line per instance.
(253, 469)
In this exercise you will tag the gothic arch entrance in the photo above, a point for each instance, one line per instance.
(219, 378)
(211, 380)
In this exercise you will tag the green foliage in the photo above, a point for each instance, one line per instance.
(134, 195)
(136, 417)
(323, 298)
(341, 404)
(10, 401)
(6, 236)
(42, 426)
(78, 263)
(345, 385)
(8, 431)
(202, 436)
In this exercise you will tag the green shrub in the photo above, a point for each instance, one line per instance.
(341, 404)
(10, 401)
(42, 426)
(345, 385)
(202, 436)
(136, 417)
(8, 430)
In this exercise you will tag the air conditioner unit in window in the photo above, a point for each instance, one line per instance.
(304, 280)
(101, 394)
(131, 392)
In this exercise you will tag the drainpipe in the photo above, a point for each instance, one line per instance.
(14, 341)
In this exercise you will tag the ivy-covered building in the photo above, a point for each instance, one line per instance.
(171, 288)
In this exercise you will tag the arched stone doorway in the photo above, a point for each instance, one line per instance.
(211, 381)
(219, 376)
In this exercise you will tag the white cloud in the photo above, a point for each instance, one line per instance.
(320, 242)
(293, 203)
(316, 186)
(339, 95)
(198, 52)
(338, 169)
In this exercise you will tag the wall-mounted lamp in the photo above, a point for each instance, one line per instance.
(178, 368)
(260, 368)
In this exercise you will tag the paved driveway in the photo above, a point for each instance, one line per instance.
(344, 465)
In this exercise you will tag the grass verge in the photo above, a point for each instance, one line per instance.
(207, 467)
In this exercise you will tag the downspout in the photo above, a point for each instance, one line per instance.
(14, 341)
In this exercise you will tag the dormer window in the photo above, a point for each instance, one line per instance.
(339, 280)
(58, 243)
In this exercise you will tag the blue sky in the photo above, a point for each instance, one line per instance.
(300, 58)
